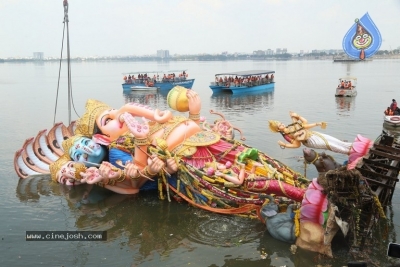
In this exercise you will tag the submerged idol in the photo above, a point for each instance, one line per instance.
(146, 149)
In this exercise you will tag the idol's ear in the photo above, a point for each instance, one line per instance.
(101, 139)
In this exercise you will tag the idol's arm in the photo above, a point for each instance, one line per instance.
(311, 125)
(194, 106)
(295, 117)
(122, 188)
(294, 144)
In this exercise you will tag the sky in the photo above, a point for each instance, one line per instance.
(141, 27)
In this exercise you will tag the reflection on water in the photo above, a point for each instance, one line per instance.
(253, 101)
(143, 97)
(147, 226)
(344, 105)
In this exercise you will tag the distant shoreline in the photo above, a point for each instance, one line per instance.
(195, 58)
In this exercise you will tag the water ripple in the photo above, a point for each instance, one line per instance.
(224, 231)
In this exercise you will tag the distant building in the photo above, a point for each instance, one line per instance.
(163, 53)
(259, 53)
(269, 52)
(284, 51)
(278, 51)
(38, 55)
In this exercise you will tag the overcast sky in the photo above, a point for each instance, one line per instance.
(141, 27)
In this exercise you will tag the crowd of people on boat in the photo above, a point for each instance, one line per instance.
(150, 81)
(244, 81)
(393, 109)
(345, 84)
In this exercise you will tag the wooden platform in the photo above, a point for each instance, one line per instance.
(381, 167)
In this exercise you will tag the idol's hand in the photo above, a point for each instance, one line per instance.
(131, 171)
(172, 166)
(139, 130)
(281, 143)
(154, 164)
(219, 174)
(109, 171)
(91, 176)
(194, 102)
(294, 114)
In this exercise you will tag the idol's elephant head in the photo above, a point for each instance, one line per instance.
(322, 162)
(279, 225)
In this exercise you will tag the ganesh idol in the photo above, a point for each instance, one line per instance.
(148, 143)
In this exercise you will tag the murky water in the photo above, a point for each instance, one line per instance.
(143, 230)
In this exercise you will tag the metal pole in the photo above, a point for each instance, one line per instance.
(65, 3)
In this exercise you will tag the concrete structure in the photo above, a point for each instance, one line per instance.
(38, 55)
(163, 53)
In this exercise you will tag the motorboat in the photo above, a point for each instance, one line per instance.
(143, 88)
(392, 120)
(163, 80)
(243, 81)
(347, 87)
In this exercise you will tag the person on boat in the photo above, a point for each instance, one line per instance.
(298, 133)
(236, 82)
(393, 105)
(272, 77)
(388, 112)
(350, 85)
(342, 84)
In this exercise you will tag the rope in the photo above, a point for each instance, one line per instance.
(70, 97)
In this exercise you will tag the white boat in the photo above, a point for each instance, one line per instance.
(347, 87)
(143, 88)
(392, 120)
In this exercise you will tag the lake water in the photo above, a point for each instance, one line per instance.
(143, 230)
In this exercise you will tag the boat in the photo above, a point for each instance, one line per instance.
(348, 59)
(163, 80)
(143, 88)
(347, 87)
(392, 120)
(243, 81)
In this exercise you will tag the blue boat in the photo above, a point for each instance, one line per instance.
(162, 80)
(241, 82)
